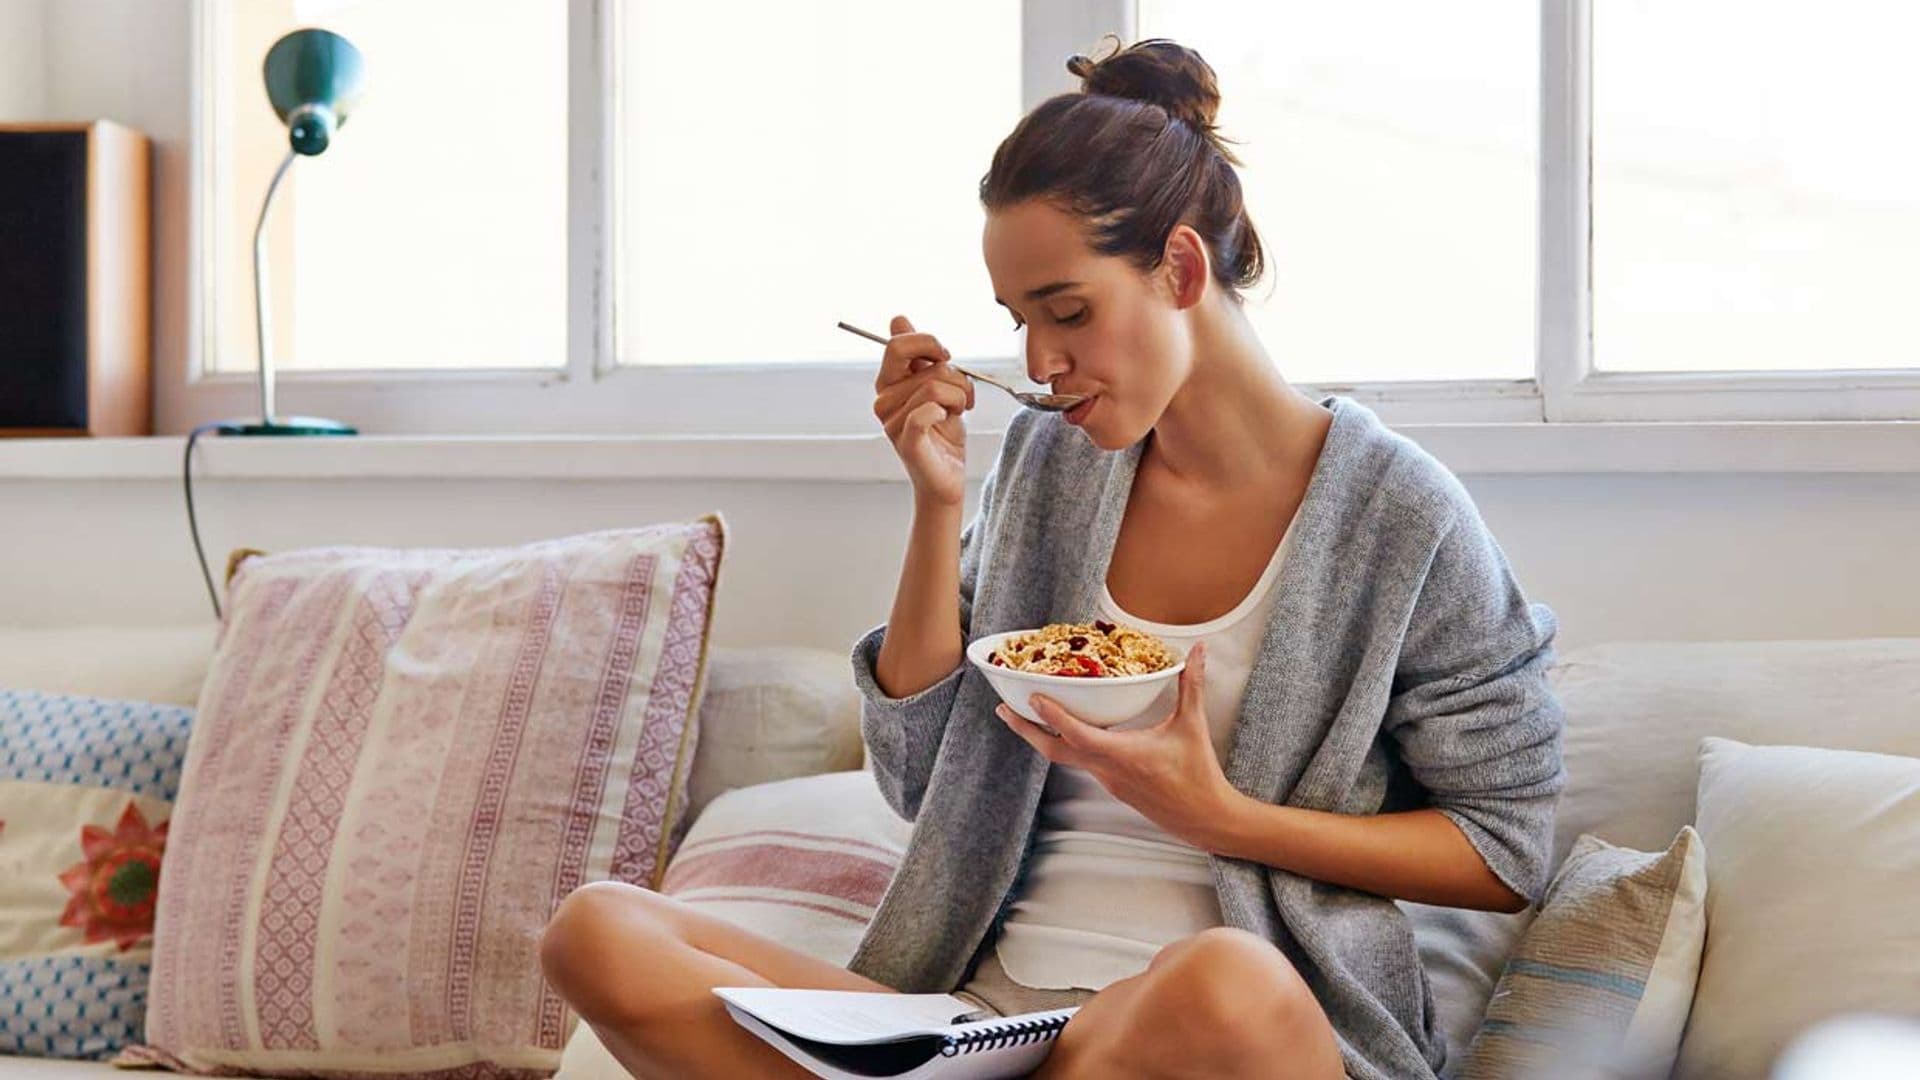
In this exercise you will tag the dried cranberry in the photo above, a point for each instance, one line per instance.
(1103, 626)
(994, 658)
(1076, 642)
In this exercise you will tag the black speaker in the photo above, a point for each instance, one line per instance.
(75, 305)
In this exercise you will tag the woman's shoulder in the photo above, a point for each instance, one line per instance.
(1390, 474)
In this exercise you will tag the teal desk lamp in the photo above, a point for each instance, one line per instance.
(314, 79)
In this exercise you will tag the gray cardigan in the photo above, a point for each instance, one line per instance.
(1403, 667)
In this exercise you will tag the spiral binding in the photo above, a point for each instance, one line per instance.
(999, 1035)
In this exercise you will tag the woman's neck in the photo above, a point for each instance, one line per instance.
(1235, 421)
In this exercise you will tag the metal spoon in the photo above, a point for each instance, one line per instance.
(1032, 400)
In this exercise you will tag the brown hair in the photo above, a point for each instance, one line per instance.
(1135, 153)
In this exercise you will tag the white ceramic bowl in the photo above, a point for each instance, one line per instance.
(1102, 702)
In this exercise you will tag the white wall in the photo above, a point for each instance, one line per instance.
(23, 66)
(1616, 557)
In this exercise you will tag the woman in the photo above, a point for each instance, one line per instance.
(1364, 716)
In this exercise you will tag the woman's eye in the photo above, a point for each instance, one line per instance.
(1074, 319)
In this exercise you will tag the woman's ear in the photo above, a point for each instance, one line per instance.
(1188, 269)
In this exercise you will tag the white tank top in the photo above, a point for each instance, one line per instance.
(1107, 887)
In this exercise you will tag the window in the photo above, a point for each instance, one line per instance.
(1756, 186)
(823, 167)
(1390, 168)
(432, 233)
(627, 216)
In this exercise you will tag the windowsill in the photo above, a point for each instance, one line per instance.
(1891, 446)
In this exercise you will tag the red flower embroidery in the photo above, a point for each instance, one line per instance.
(115, 888)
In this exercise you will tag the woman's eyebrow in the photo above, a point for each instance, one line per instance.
(1042, 292)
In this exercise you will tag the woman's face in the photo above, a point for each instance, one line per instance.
(1094, 324)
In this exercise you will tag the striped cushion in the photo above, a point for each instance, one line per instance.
(86, 787)
(403, 761)
(1602, 982)
(802, 861)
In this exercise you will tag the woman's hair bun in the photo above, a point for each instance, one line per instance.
(1134, 155)
(1157, 71)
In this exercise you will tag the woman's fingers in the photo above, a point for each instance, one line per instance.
(896, 403)
(1047, 746)
(895, 397)
(907, 423)
(906, 354)
(1075, 732)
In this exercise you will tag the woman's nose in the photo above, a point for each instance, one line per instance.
(1043, 361)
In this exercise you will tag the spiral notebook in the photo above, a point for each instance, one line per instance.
(849, 1033)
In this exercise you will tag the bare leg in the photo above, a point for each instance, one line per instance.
(640, 967)
(1222, 1002)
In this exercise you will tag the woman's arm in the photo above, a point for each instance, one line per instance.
(903, 716)
(1418, 855)
(923, 641)
(931, 615)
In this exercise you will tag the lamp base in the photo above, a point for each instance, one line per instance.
(286, 425)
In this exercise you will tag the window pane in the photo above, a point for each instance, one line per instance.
(1756, 183)
(822, 164)
(1390, 168)
(432, 233)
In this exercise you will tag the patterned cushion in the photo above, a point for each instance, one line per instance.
(404, 760)
(1602, 982)
(803, 861)
(86, 787)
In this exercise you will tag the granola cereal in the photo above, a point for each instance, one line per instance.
(1094, 650)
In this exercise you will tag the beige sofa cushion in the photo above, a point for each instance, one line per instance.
(1636, 712)
(160, 664)
(773, 713)
(25, 1068)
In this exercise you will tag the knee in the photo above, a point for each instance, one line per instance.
(592, 926)
(1227, 981)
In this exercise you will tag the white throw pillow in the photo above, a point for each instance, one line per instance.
(1814, 860)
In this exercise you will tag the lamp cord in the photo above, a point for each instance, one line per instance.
(193, 523)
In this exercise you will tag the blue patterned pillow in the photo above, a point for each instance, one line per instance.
(86, 788)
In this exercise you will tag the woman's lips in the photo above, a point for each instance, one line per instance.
(1078, 414)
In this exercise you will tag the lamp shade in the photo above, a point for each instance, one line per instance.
(314, 78)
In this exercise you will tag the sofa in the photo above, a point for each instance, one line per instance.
(783, 723)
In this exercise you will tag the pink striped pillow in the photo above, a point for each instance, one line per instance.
(402, 761)
(803, 861)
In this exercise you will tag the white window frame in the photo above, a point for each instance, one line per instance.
(1572, 390)
(592, 394)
